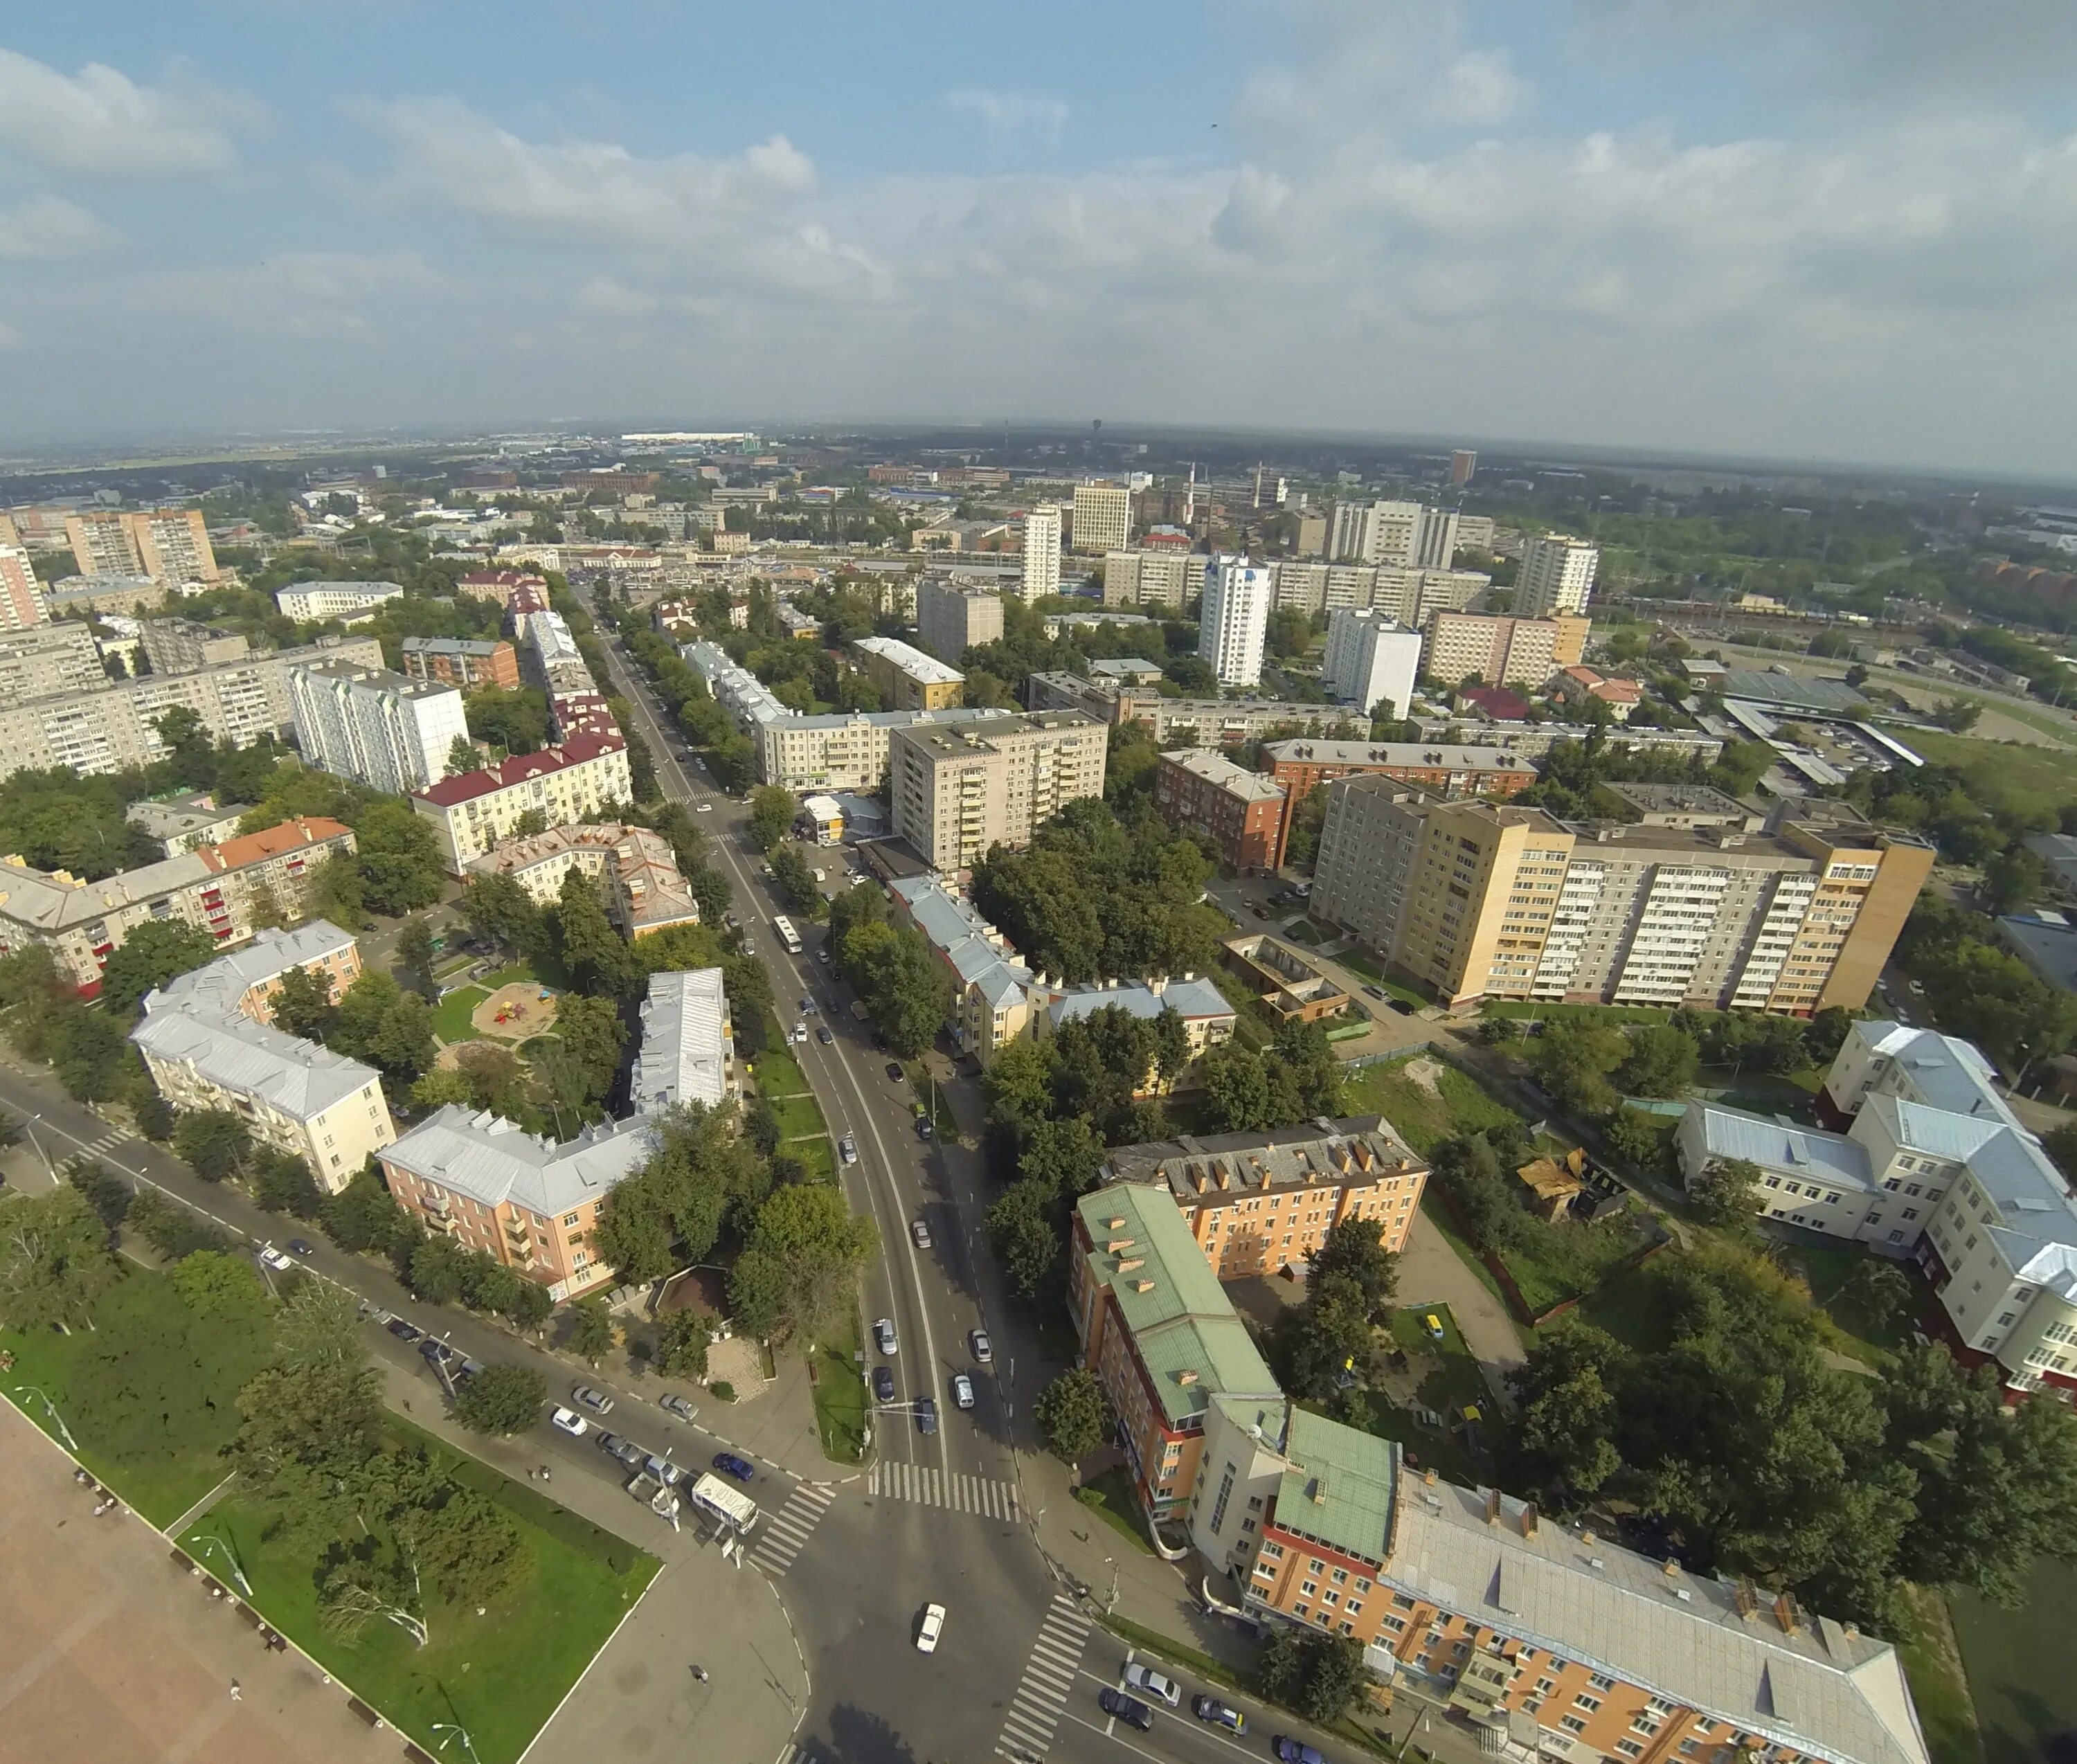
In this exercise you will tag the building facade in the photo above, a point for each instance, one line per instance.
(959, 789)
(168, 545)
(687, 1050)
(473, 811)
(41, 661)
(993, 990)
(1502, 651)
(312, 602)
(462, 662)
(1371, 661)
(1300, 765)
(390, 733)
(843, 750)
(905, 678)
(1233, 619)
(1240, 812)
(1041, 574)
(1557, 576)
(952, 618)
(246, 982)
(1153, 577)
(1372, 831)
(1103, 517)
(645, 890)
(1200, 723)
(23, 603)
(180, 646)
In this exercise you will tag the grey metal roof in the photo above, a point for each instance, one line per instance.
(492, 1160)
(1939, 1133)
(1945, 1071)
(1186, 998)
(1825, 1689)
(297, 1078)
(219, 985)
(926, 670)
(1804, 1151)
(683, 1057)
(969, 945)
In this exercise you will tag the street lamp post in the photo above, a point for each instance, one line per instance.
(50, 1409)
(207, 1542)
(451, 1729)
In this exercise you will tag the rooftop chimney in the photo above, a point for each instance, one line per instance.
(1492, 1505)
(1786, 1614)
(1528, 1519)
(1143, 1286)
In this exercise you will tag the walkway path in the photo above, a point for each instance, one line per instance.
(1430, 1272)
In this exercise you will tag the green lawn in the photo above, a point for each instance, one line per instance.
(840, 1398)
(777, 1072)
(144, 1392)
(1109, 1496)
(451, 1015)
(2019, 776)
(2018, 1664)
(1939, 1687)
(1626, 1307)
(1457, 1378)
(817, 1156)
(799, 1117)
(1537, 1010)
(1828, 1272)
(501, 1675)
(1459, 1104)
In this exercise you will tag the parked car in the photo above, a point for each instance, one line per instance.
(610, 1444)
(274, 1259)
(403, 1331)
(596, 1402)
(1433, 1324)
(569, 1421)
(1143, 1678)
(924, 1131)
(631, 1454)
(807, 1007)
(677, 1405)
(883, 1384)
(894, 1070)
(884, 1336)
(729, 1464)
(1291, 1751)
(847, 1149)
(983, 1350)
(1374, 991)
(1261, 912)
(930, 1629)
(962, 1390)
(926, 1415)
(920, 1230)
(1126, 1708)
(1401, 1006)
(436, 1351)
(1218, 1714)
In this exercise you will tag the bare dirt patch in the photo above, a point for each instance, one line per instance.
(515, 1012)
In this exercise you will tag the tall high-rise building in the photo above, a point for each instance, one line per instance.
(1501, 650)
(1408, 535)
(952, 618)
(1234, 618)
(1371, 660)
(376, 727)
(22, 602)
(1557, 576)
(1041, 552)
(1103, 517)
(102, 545)
(169, 545)
(1434, 539)
(960, 787)
(1462, 464)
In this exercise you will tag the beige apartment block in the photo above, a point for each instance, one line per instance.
(23, 603)
(905, 678)
(1502, 650)
(1103, 517)
(952, 618)
(961, 788)
(472, 811)
(168, 545)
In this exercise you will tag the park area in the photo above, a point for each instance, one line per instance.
(1425, 1098)
(511, 1005)
(147, 1399)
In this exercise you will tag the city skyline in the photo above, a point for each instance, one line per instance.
(1611, 224)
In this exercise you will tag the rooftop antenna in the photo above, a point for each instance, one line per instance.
(1190, 502)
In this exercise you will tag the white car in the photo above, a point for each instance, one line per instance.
(962, 1390)
(928, 1631)
(882, 1335)
(570, 1422)
(920, 1230)
(1148, 1683)
(704, 808)
(847, 1149)
(275, 1258)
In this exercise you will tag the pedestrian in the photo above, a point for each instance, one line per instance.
(237, 1695)
(700, 1672)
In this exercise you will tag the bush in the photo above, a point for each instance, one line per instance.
(502, 1400)
(723, 1389)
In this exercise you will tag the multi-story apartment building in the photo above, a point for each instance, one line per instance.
(180, 646)
(747, 700)
(1533, 741)
(959, 789)
(905, 678)
(1258, 1203)
(1233, 619)
(1403, 534)
(1240, 812)
(312, 602)
(213, 888)
(647, 890)
(843, 750)
(1410, 595)
(178, 824)
(553, 659)
(1103, 517)
(168, 545)
(993, 990)
(1934, 1164)
(1203, 722)
(1153, 577)
(528, 1202)
(498, 585)
(1300, 765)
(295, 1096)
(245, 983)
(1503, 651)
(1041, 572)
(687, 1053)
(1158, 1331)
(40, 661)
(473, 811)
(461, 661)
(952, 618)
(1557, 576)
(1503, 902)
(802, 627)
(21, 599)
(1367, 841)
(113, 726)
(1371, 661)
(379, 729)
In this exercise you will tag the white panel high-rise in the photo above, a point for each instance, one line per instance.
(1234, 618)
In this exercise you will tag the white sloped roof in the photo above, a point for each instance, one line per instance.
(493, 1160)
(298, 1078)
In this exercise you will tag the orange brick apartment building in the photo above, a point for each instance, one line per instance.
(1240, 812)
(1449, 770)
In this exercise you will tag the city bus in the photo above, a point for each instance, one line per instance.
(787, 934)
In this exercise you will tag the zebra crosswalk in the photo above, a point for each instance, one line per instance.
(1034, 1711)
(931, 1488)
(782, 1535)
(106, 1143)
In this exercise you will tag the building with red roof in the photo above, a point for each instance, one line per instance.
(474, 810)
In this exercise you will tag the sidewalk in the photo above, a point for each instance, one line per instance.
(640, 1697)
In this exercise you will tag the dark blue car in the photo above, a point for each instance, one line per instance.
(729, 1464)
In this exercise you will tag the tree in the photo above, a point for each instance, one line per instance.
(362, 1215)
(439, 1269)
(468, 1546)
(772, 812)
(399, 858)
(444, 1084)
(1324, 1340)
(154, 1116)
(799, 1275)
(308, 1435)
(213, 1142)
(1074, 1414)
(1726, 1191)
(1235, 1088)
(335, 892)
(1661, 1062)
(1637, 1136)
(502, 1400)
(54, 1260)
(2013, 879)
(1026, 1242)
(596, 955)
(216, 1283)
(1352, 1250)
(302, 1005)
(461, 756)
(681, 1345)
(107, 1193)
(1572, 1059)
(592, 1335)
(794, 881)
(318, 1325)
(380, 1022)
(500, 911)
(87, 1053)
(1562, 1439)
(1335, 1672)
(281, 1183)
(153, 954)
(590, 1035)
(367, 1584)
(1307, 818)
(414, 953)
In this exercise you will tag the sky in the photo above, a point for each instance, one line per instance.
(1844, 231)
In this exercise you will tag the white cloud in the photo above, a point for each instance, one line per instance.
(49, 226)
(99, 123)
(1004, 115)
(450, 156)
